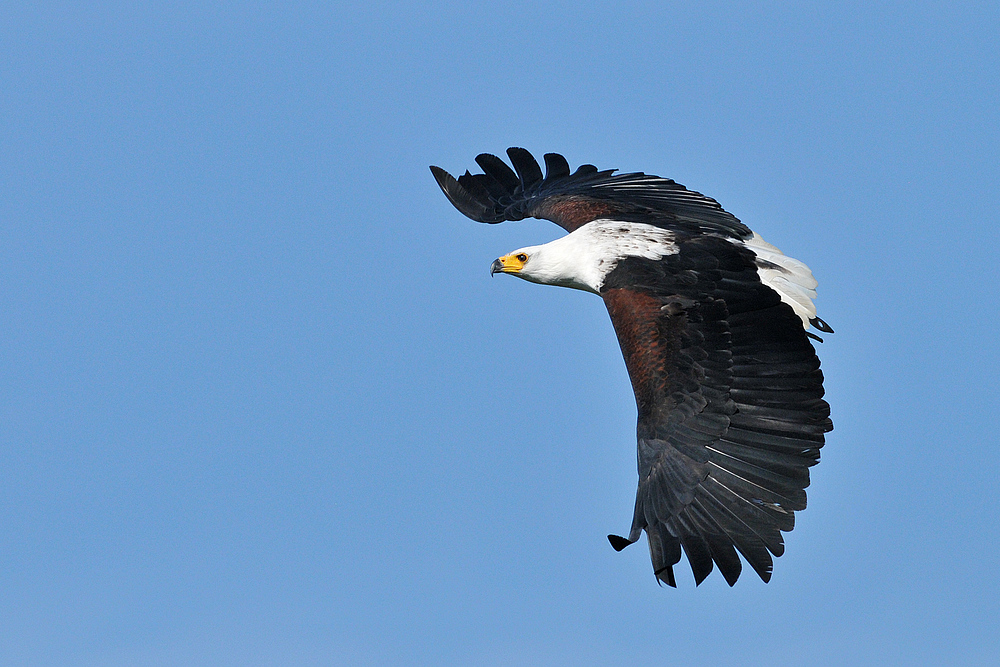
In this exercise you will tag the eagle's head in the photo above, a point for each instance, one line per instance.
(583, 258)
(549, 264)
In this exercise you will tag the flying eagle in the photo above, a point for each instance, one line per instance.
(712, 321)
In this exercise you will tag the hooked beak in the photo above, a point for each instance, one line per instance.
(507, 264)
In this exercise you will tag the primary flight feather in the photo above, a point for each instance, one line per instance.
(713, 324)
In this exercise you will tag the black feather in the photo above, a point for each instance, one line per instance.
(498, 170)
(528, 171)
(699, 556)
(724, 555)
(618, 542)
(459, 197)
(664, 552)
(821, 325)
(555, 166)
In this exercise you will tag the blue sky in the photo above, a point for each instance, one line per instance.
(265, 406)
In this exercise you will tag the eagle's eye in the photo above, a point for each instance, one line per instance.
(522, 258)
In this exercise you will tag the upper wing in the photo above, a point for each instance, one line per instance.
(731, 414)
(574, 199)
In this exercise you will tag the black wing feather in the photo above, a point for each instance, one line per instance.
(498, 170)
(556, 166)
(468, 199)
(528, 171)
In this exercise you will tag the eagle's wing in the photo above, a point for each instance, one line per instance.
(574, 199)
(731, 414)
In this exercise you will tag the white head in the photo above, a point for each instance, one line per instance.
(551, 264)
(581, 260)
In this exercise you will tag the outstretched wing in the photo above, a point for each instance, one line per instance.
(731, 414)
(574, 199)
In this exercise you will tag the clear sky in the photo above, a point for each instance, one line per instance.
(263, 404)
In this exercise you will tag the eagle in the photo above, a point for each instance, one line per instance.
(713, 323)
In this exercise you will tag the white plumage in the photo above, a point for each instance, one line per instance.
(582, 259)
(790, 278)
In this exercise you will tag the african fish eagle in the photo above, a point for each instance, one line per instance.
(712, 322)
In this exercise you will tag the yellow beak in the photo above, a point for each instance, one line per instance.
(506, 264)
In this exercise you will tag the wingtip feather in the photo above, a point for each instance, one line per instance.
(498, 170)
(556, 166)
(617, 542)
(528, 171)
(460, 198)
